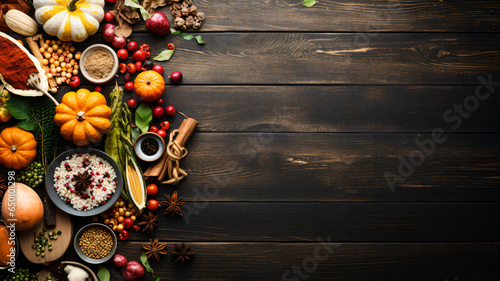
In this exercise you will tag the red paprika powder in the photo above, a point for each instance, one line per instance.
(16, 66)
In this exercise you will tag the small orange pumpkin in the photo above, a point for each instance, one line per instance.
(83, 116)
(149, 85)
(17, 148)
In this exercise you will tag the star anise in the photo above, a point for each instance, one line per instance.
(3, 185)
(149, 222)
(82, 181)
(154, 249)
(183, 252)
(172, 203)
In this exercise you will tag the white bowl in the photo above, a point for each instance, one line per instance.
(143, 156)
(87, 52)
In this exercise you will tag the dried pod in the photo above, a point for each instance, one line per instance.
(189, 21)
(179, 22)
(193, 10)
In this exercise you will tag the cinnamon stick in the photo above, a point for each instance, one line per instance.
(153, 171)
(35, 49)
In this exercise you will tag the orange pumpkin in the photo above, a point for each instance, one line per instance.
(149, 85)
(83, 116)
(17, 148)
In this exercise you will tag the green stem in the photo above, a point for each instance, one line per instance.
(72, 5)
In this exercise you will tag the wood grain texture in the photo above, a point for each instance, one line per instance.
(332, 58)
(338, 167)
(346, 222)
(350, 16)
(310, 109)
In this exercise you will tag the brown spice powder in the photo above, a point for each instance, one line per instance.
(99, 64)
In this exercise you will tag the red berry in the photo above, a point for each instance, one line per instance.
(170, 46)
(131, 68)
(138, 65)
(98, 89)
(109, 17)
(170, 110)
(123, 234)
(158, 68)
(152, 189)
(158, 112)
(127, 77)
(176, 77)
(128, 223)
(159, 101)
(122, 54)
(129, 86)
(153, 204)
(162, 133)
(75, 82)
(137, 228)
(132, 46)
(153, 129)
(132, 103)
(165, 125)
(139, 55)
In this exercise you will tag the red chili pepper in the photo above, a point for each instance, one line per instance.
(137, 228)
(171, 46)
(122, 67)
(144, 47)
(123, 234)
(75, 81)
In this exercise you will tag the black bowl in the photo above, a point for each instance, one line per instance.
(59, 202)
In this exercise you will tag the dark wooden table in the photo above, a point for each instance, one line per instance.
(354, 140)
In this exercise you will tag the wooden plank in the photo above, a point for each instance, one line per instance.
(339, 167)
(329, 58)
(347, 261)
(345, 222)
(349, 16)
(310, 109)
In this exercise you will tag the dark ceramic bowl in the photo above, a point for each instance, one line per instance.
(59, 202)
(82, 255)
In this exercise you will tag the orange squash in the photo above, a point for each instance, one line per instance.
(28, 209)
(83, 116)
(17, 148)
(4, 245)
(149, 85)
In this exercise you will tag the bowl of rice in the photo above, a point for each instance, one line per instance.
(83, 182)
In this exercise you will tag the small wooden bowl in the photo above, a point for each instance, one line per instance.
(88, 259)
(143, 156)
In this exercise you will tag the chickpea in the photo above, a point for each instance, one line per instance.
(60, 51)
(70, 56)
(63, 73)
(78, 55)
(70, 43)
(117, 214)
(117, 204)
(127, 214)
(55, 55)
(115, 228)
(53, 90)
(130, 205)
(45, 62)
(46, 45)
(106, 221)
(68, 75)
(56, 63)
(72, 49)
(58, 69)
(64, 45)
(63, 64)
(47, 55)
(49, 75)
(52, 42)
(72, 62)
(120, 219)
(66, 60)
(55, 47)
(120, 226)
(50, 50)
(75, 72)
(63, 79)
(70, 69)
(122, 204)
(61, 58)
(42, 50)
(58, 81)
(133, 218)
(53, 70)
(58, 42)
(63, 69)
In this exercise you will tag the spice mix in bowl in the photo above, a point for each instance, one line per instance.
(99, 64)
(95, 243)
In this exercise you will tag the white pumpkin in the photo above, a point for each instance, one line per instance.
(69, 20)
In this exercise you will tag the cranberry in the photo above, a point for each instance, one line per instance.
(158, 68)
(162, 133)
(127, 77)
(139, 55)
(148, 65)
(132, 103)
(132, 46)
(159, 101)
(98, 89)
(158, 112)
(153, 129)
(128, 223)
(131, 68)
(176, 77)
(170, 110)
(129, 86)
(123, 234)
(109, 17)
(122, 54)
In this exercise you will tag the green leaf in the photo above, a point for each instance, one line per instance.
(157, 278)
(135, 4)
(187, 36)
(198, 38)
(134, 133)
(309, 3)
(174, 32)
(145, 262)
(143, 115)
(164, 55)
(28, 124)
(103, 273)
(18, 107)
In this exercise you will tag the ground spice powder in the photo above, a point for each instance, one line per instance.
(99, 64)
(16, 66)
